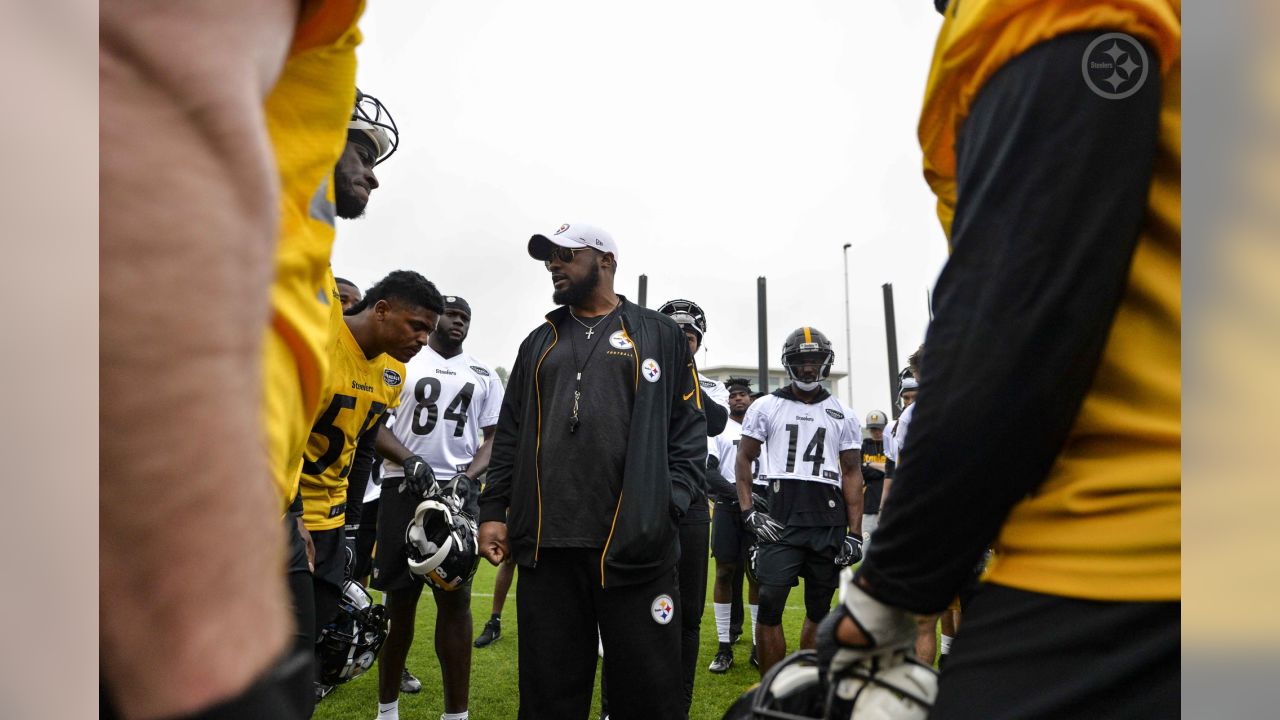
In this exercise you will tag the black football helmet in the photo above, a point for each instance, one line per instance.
(350, 643)
(441, 541)
(807, 340)
(687, 314)
(371, 117)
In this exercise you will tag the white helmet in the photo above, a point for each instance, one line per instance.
(902, 688)
(894, 687)
(371, 117)
(908, 383)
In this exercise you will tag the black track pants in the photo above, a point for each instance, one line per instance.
(560, 604)
(692, 572)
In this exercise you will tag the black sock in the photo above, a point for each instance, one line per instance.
(495, 617)
(726, 647)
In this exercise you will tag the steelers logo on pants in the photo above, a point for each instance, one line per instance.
(662, 609)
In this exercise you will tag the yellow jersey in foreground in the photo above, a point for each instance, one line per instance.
(306, 114)
(1106, 523)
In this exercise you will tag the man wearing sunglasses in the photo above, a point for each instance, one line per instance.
(599, 449)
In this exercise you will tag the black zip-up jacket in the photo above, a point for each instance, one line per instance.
(665, 461)
(717, 418)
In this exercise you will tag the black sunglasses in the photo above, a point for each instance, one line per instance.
(563, 254)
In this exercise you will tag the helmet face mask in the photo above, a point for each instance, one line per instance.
(371, 117)
(688, 315)
(804, 348)
(348, 646)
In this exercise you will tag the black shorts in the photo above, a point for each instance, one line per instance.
(297, 547)
(803, 552)
(730, 539)
(365, 537)
(331, 556)
(390, 563)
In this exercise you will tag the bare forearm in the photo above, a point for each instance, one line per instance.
(851, 485)
(389, 447)
(742, 481)
(481, 461)
(190, 540)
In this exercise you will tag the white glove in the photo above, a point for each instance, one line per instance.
(889, 630)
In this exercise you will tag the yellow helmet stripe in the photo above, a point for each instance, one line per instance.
(808, 337)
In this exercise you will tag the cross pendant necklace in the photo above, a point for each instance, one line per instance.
(591, 329)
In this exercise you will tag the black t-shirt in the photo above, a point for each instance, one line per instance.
(872, 452)
(580, 472)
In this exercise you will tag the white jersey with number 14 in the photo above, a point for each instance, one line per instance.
(802, 441)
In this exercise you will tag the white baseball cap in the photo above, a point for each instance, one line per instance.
(572, 235)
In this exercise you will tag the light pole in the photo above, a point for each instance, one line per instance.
(848, 334)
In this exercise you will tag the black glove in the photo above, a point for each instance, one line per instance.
(418, 478)
(460, 487)
(765, 528)
(349, 561)
(759, 502)
(850, 551)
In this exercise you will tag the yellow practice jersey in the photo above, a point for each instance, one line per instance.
(359, 391)
(306, 114)
(1105, 524)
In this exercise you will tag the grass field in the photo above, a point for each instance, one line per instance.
(494, 691)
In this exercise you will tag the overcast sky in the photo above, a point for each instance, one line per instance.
(717, 141)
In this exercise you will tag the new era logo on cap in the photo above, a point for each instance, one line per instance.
(573, 235)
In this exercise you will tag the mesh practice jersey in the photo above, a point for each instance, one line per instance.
(724, 447)
(802, 446)
(443, 408)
